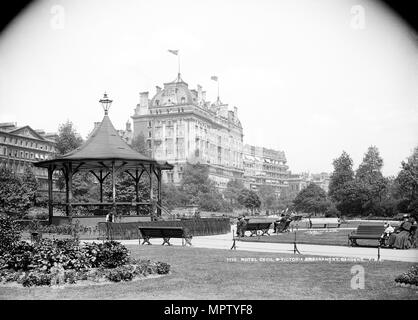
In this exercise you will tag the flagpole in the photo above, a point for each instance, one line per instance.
(178, 60)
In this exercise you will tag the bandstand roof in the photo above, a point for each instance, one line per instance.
(103, 147)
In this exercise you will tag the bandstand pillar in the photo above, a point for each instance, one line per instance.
(50, 195)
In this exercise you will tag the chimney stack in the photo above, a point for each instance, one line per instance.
(199, 93)
(158, 89)
(143, 99)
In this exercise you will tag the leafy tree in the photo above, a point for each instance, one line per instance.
(286, 198)
(249, 199)
(371, 179)
(233, 188)
(312, 199)
(173, 196)
(268, 197)
(343, 173)
(407, 181)
(30, 183)
(200, 190)
(139, 144)
(353, 195)
(369, 171)
(14, 197)
(125, 191)
(68, 139)
(196, 180)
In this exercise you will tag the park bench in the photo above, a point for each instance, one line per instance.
(254, 227)
(166, 233)
(324, 223)
(366, 232)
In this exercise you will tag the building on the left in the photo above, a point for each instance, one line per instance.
(21, 146)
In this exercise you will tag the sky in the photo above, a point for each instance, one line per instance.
(311, 78)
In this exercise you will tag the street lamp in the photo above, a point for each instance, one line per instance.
(106, 102)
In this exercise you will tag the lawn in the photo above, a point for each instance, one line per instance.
(220, 274)
(335, 237)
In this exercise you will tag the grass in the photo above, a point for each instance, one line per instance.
(213, 274)
(334, 237)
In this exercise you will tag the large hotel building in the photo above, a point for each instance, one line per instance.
(181, 126)
(21, 146)
(265, 167)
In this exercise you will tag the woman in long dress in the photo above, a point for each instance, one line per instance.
(399, 239)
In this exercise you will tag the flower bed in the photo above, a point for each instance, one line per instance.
(409, 278)
(58, 262)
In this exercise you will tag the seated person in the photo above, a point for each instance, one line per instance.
(241, 224)
(399, 239)
(388, 231)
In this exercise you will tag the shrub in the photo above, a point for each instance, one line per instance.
(35, 278)
(162, 267)
(63, 261)
(121, 273)
(112, 254)
(409, 277)
(70, 276)
(19, 257)
(9, 233)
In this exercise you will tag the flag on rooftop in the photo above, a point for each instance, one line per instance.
(214, 78)
(176, 52)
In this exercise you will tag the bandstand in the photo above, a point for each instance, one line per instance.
(105, 155)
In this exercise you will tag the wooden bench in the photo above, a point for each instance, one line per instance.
(254, 227)
(366, 232)
(166, 233)
(324, 223)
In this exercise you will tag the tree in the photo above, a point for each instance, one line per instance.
(14, 197)
(372, 182)
(312, 199)
(343, 173)
(125, 191)
(268, 197)
(233, 188)
(369, 171)
(30, 183)
(172, 196)
(353, 195)
(249, 199)
(68, 139)
(139, 145)
(286, 198)
(200, 190)
(407, 181)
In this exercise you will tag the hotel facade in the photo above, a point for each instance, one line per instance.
(181, 126)
(22, 146)
(263, 166)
